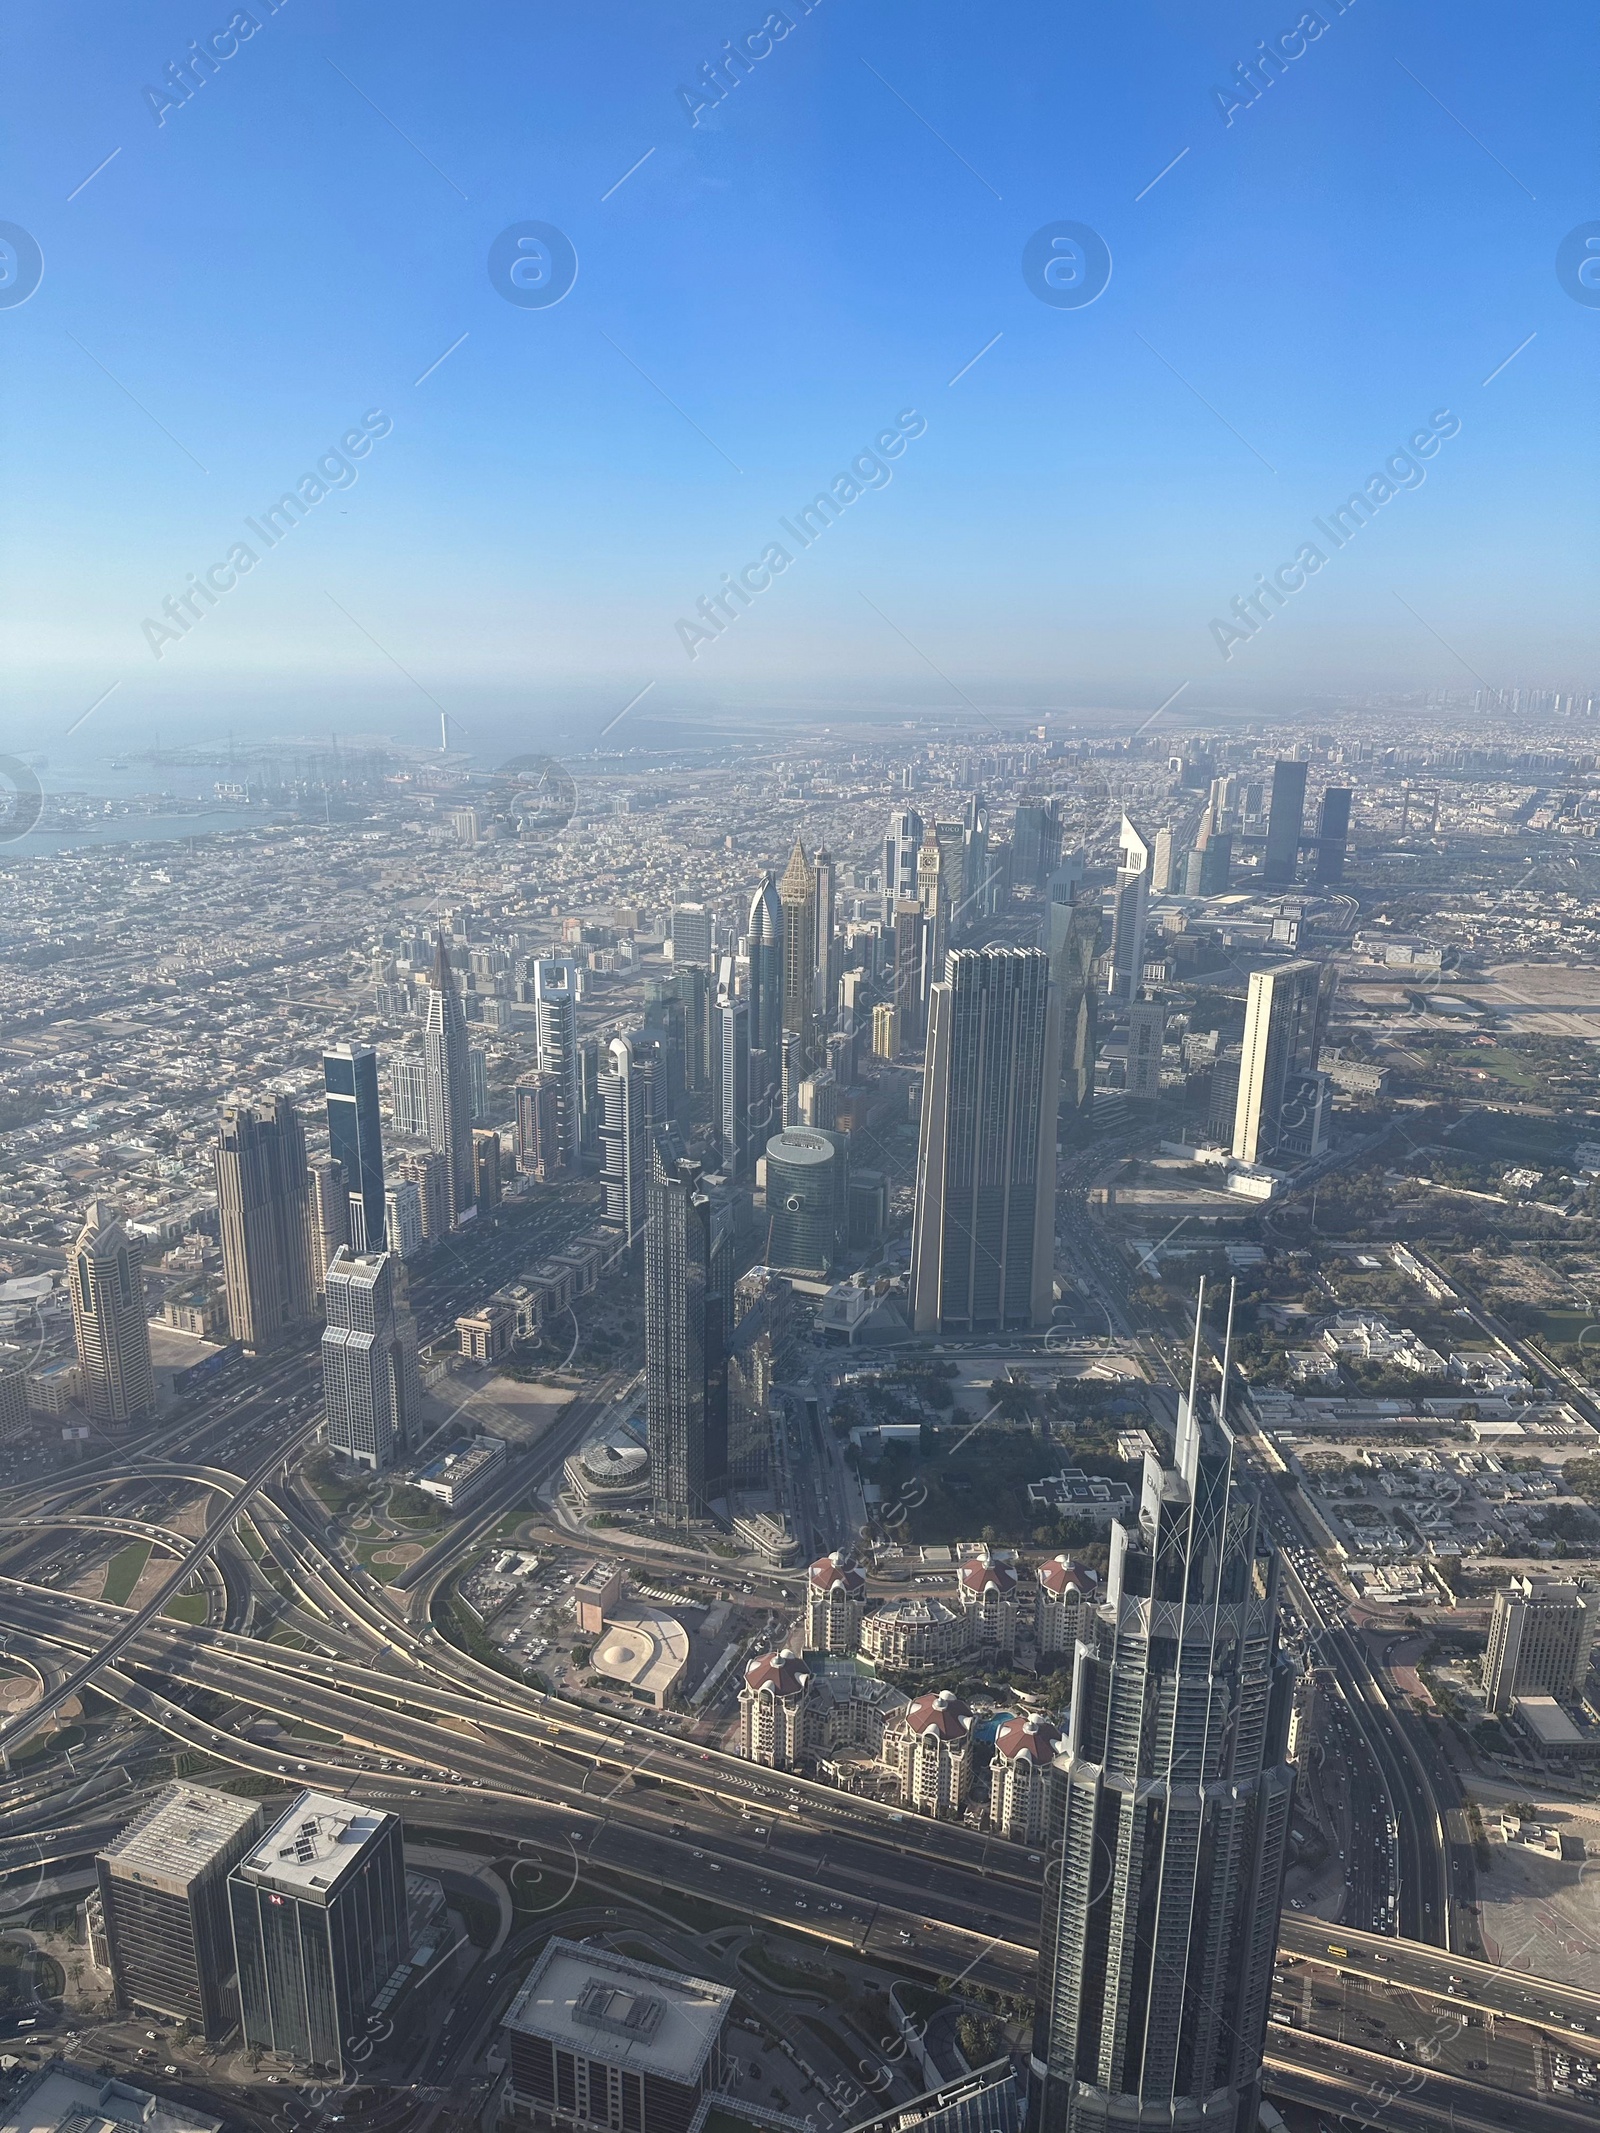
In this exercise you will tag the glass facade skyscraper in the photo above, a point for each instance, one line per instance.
(448, 1067)
(371, 1385)
(264, 1221)
(730, 1083)
(319, 1926)
(688, 1313)
(807, 1203)
(1281, 1107)
(797, 896)
(355, 1131)
(555, 1007)
(1168, 1814)
(982, 1249)
(1285, 824)
(764, 946)
(627, 1097)
(108, 1320)
(163, 1895)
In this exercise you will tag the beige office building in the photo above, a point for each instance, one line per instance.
(116, 1382)
(1281, 1109)
(1540, 1637)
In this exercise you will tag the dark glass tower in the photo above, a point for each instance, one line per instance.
(1285, 824)
(355, 1131)
(982, 1252)
(688, 1296)
(1168, 1814)
(1333, 835)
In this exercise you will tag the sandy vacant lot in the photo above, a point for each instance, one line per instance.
(1540, 997)
(1543, 1914)
(506, 1407)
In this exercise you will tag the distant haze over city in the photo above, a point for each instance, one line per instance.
(799, 1069)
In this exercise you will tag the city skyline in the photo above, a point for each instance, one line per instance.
(1120, 475)
(799, 1098)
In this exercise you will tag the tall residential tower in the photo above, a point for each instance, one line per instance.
(797, 894)
(688, 1299)
(264, 1215)
(559, 1055)
(1281, 1110)
(370, 1380)
(108, 1320)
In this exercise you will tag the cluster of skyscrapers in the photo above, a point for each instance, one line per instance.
(324, 1241)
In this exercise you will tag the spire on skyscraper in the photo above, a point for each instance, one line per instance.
(797, 895)
(448, 1070)
(1167, 1810)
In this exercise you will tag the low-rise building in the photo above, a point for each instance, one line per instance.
(763, 1527)
(609, 1473)
(486, 1336)
(463, 1471)
(918, 1632)
(929, 1748)
(859, 1706)
(644, 1651)
(595, 1594)
(1083, 1496)
(1364, 1337)
(64, 2098)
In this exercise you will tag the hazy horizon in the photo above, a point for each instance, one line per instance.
(288, 259)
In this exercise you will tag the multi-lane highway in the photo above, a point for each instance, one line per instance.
(1413, 1788)
(1479, 1987)
(381, 1706)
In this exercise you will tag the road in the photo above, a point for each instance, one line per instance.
(1436, 1892)
(624, 1804)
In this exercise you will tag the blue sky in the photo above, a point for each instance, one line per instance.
(299, 242)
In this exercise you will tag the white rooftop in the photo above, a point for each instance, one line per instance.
(315, 1843)
(627, 2013)
(63, 2098)
(180, 1833)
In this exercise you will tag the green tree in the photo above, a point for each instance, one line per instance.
(979, 2038)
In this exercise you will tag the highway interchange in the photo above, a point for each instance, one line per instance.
(614, 1803)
